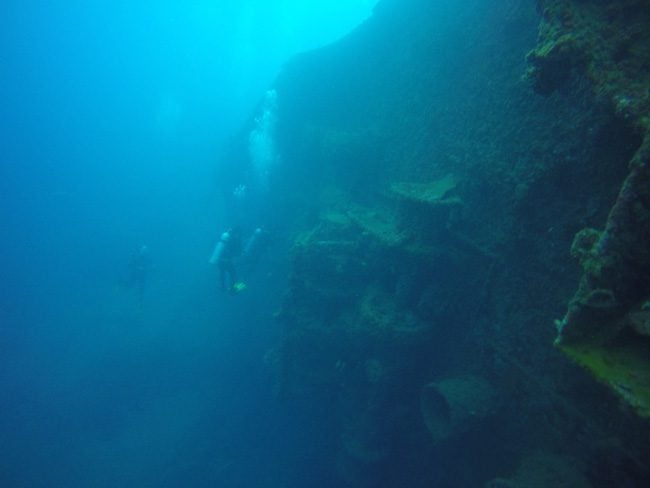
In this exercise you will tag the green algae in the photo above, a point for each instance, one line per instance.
(624, 367)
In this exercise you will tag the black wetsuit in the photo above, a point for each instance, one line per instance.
(226, 262)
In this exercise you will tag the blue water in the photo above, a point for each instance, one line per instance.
(112, 124)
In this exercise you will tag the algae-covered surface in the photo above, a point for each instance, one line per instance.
(446, 195)
(625, 368)
(433, 192)
(606, 43)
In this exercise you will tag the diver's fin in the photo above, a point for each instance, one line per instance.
(238, 287)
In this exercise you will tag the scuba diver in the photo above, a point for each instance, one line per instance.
(225, 252)
(255, 247)
(138, 271)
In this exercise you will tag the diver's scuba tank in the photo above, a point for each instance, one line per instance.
(218, 249)
(254, 242)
